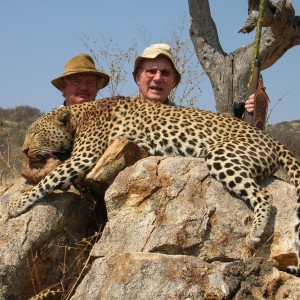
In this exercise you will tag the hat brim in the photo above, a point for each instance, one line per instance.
(104, 78)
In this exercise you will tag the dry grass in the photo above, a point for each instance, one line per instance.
(71, 274)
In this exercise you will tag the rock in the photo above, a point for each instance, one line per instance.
(144, 276)
(119, 155)
(172, 206)
(172, 232)
(36, 246)
(168, 209)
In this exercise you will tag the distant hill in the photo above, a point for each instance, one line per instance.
(288, 133)
(290, 126)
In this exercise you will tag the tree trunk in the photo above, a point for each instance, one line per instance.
(229, 73)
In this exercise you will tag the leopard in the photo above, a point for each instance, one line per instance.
(236, 154)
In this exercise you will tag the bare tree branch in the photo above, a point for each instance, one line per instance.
(229, 73)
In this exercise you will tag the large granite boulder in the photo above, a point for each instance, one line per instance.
(172, 232)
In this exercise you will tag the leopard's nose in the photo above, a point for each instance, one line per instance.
(25, 151)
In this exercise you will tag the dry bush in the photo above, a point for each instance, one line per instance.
(188, 92)
(108, 56)
(120, 62)
(13, 125)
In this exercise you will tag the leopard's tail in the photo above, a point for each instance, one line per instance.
(292, 167)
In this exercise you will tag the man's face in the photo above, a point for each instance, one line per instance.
(156, 79)
(80, 88)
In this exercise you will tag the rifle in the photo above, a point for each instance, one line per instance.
(259, 116)
(239, 110)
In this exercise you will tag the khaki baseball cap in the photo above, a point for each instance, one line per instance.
(154, 51)
(82, 63)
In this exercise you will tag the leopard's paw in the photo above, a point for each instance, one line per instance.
(252, 241)
(19, 206)
(293, 270)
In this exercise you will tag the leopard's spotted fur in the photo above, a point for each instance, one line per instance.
(236, 153)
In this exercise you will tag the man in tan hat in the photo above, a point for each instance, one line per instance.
(156, 74)
(80, 81)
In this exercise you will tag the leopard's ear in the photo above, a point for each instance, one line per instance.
(64, 117)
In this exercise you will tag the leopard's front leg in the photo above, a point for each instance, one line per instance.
(64, 175)
(36, 193)
(21, 205)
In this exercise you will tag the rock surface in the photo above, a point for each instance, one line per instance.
(120, 154)
(172, 206)
(36, 246)
(144, 276)
(173, 232)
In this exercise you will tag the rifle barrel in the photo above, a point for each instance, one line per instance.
(255, 76)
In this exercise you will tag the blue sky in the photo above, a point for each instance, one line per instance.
(38, 37)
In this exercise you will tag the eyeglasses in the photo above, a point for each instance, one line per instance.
(151, 72)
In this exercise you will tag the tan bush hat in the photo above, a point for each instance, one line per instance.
(82, 63)
(152, 52)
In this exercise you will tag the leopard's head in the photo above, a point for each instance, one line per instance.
(49, 136)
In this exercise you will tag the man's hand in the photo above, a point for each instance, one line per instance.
(249, 105)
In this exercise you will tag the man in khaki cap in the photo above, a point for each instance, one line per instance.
(156, 73)
(80, 81)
